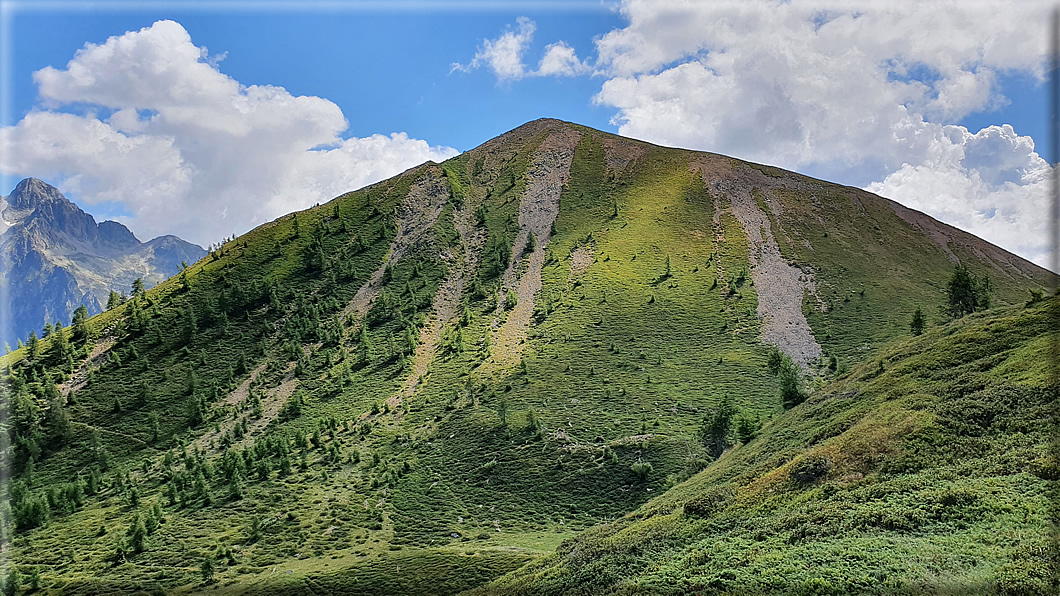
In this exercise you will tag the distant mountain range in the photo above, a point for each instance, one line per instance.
(55, 257)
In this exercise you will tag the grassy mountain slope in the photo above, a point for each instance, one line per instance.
(451, 372)
(925, 469)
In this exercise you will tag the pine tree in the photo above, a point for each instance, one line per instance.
(235, 488)
(138, 289)
(916, 326)
(33, 346)
(967, 293)
(13, 585)
(791, 391)
(364, 341)
(80, 324)
(255, 529)
(196, 411)
(156, 429)
(137, 534)
(207, 566)
(502, 411)
(191, 381)
(151, 520)
(56, 419)
(746, 428)
(61, 343)
(717, 426)
(114, 300)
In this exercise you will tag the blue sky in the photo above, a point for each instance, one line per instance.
(388, 71)
(915, 114)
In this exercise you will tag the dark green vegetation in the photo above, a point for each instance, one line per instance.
(440, 379)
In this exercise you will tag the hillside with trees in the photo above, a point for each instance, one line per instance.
(561, 361)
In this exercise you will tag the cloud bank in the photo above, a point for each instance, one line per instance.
(147, 120)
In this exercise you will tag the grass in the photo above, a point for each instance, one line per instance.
(934, 481)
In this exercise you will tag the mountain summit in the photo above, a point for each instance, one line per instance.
(56, 258)
(582, 362)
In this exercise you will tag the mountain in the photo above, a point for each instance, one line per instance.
(56, 258)
(561, 362)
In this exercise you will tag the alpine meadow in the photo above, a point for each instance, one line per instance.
(563, 362)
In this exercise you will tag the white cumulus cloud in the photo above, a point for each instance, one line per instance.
(504, 56)
(560, 60)
(991, 183)
(186, 148)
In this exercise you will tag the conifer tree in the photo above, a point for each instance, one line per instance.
(502, 411)
(61, 345)
(56, 419)
(137, 534)
(156, 430)
(33, 346)
(152, 519)
(80, 324)
(717, 426)
(207, 566)
(791, 391)
(967, 293)
(364, 341)
(916, 326)
(13, 584)
(746, 428)
(255, 529)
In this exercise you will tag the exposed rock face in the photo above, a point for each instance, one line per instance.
(55, 257)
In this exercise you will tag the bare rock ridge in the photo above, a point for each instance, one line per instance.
(56, 257)
(416, 217)
(538, 208)
(780, 285)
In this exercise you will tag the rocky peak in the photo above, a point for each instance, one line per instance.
(60, 258)
(33, 192)
(115, 233)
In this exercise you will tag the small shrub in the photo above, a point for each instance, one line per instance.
(641, 469)
(810, 469)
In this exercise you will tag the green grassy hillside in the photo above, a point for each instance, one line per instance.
(425, 384)
(930, 468)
